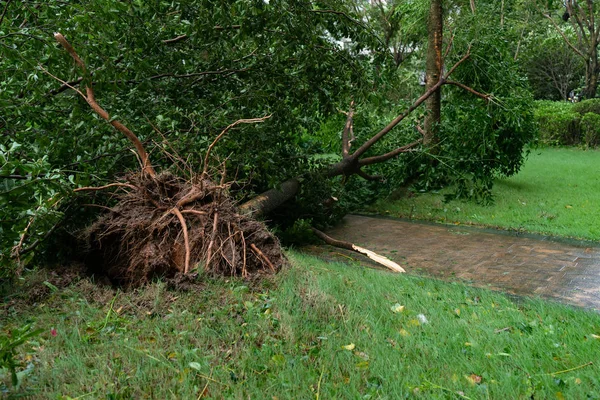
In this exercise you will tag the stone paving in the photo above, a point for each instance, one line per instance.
(516, 264)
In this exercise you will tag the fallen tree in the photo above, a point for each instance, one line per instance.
(164, 225)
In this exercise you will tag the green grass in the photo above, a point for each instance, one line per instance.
(556, 193)
(285, 339)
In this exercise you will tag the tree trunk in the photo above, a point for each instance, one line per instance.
(433, 72)
(592, 68)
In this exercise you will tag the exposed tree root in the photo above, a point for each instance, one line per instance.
(147, 235)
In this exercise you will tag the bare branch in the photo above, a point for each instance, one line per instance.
(486, 97)
(4, 12)
(384, 157)
(95, 188)
(369, 143)
(566, 39)
(179, 38)
(349, 246)
(90, 99)
(239, 121)
(368, 177)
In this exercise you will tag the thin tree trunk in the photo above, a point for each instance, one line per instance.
(433, 72)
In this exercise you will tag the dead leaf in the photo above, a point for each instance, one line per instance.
(474, 379)
(397, 308)
(349, 347)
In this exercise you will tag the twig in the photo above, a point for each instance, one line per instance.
(4, 12)
(186, 240)
(486, 97)
(568, 370)
(175, 40)
(92, 188)
(319, 383)
(262, 256)
(239, 121)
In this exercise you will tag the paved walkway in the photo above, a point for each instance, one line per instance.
(566, 271)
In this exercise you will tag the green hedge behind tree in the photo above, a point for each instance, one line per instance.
(568, 124)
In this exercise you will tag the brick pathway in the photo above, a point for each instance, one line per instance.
(568, 272)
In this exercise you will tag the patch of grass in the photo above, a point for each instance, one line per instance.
(556, 193)
(322, 331)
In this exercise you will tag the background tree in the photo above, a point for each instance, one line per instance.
(581, 18)
(553, 69)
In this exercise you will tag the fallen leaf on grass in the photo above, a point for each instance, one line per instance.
(474, 379)
(362, 365)
(594, 336)
(349, 347)
(422, 319)
(195, 365)
(397, 308)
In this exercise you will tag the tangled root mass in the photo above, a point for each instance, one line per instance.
(144, 235)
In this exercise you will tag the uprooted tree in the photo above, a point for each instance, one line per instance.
(181, 96)
(137, 239)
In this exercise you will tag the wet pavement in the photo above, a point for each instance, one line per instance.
(567, 271)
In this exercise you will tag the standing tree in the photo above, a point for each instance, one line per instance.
(581, 16)
(433, 71)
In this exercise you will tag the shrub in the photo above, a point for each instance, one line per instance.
(558, 123)
(587, 106)
(590, 129)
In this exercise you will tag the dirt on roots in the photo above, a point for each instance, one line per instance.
(166, 226)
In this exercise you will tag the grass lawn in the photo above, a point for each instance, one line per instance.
(556, 193)
(316, 331)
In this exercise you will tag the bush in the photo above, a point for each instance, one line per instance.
(590, 129)
(558, 123)
(587, 106)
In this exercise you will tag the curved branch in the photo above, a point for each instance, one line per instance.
(96, 188)
(179, 38)
(185, 238)
(486, 97)
(90, 99)
(384, 157)
(224, 131)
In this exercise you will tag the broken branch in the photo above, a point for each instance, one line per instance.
(386, 262)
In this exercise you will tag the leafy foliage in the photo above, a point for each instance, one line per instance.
(558, 123)
(176, 73)
(587, 106)
(590, 129)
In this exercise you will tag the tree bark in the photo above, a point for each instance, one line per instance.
(433, 72)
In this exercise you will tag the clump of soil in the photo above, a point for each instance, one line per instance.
(165, 226)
